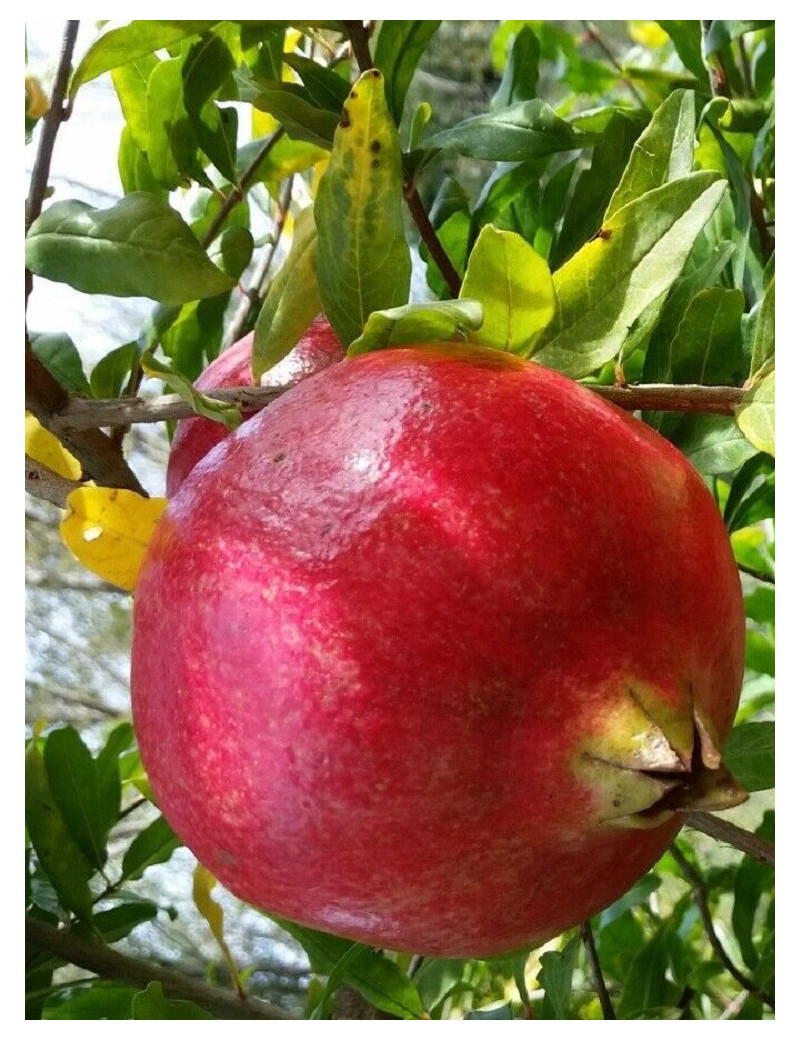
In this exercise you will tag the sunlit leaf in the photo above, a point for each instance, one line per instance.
(756, 414)
(763, 356)
(435, 322)
(363, 262)
(108, 529)
(138, 247)
(44, 447)
(203, 881)
(555, 978)
(513, 284)
(707, 345)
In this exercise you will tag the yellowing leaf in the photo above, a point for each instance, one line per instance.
(202, 883)
(756, 414)
(108, 529)
(648, 34)
(42, 446)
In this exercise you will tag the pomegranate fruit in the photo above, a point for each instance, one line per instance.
(317, 348)
(434, 652)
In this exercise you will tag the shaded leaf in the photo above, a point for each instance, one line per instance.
(750, 755)
(119, 921)
(108, 529)
(763, 355)
(756, 414)
(434, 322)
(300, 118)
(363, 262)
(713, 443)
(527, 130)
(494, 1012)
(555, 978)
(138, 247)
(326, 88)
(687, 36)
(521, 73)
(707, 345)
(399, 47)
(635, 258)
(111, 372)
(96, 1000)
(293, 300)
(752, 880)
(60, 357)
(155, 844)
(722, 31)
(172, 145)
(512, 201)
(752, 494)
(513, 284)
(663, 153)
(235, 250)
(151, 1003)
(138, 39)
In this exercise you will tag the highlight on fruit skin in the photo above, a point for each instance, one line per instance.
(453, 645)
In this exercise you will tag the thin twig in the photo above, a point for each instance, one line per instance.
(700, 892)
(722, 830)
(597, 971)
(251, 299)
(758, 575)
(84, 414)
(594, 34)
(51, 121)
(102, 960)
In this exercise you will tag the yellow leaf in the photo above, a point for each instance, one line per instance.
(648, 34)
(42, 446)
(202, 883)
(108, 529)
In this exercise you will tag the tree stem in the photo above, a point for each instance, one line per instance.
(739, 838)
(597, 971)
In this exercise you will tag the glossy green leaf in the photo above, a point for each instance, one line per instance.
(555, 978)
(521, 74)
(363, 261)
(151, 1003)
(687, 36)
(399, 47)
(88, 808)
(714, 444)
(377, 979)
(634, 259)
(138, 247)
(59, 355)
(707, 345)
(60, 856)
(593, 188)
(554, 195)
(663, 153)
(435, 322)
(756, 414)
(155, 844)
(750, 755)
(326, 88)
(752, 494)
(283, 159)
(513, 284)
(111, 372)
(300, 118)
(763, 352)
(526, 130)
(122, 45)
(293, 300)
(420, 119)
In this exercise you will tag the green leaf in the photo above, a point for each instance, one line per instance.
(326, 88)
(713, 443)
(111, 372)
(752, 494)
(207, 66)
(235, 250)
(363, 262)
(399, 47)
(172, 145)
(293, 300)
(151, 1003)
(521, 74)
(88, 812)
(707, 345)
(434, 322)
(300, 118)
(155, 844)
(436, 978)
(756, 414)
(95, 1000)
(119, 921)
(182, 385)
(594, 186)
(138, 39)
(635, 258)
(647, 984)
(135, 171)
(130, 82)
(753, 879)
(527, 130)
(138, 247)
(377, 979)
(512, 201)
(722, 32)
(763, 356)
(687, 36)
(59, 855)
(454, 236)
(495, 1012)
(513, 284)
(663, 153)
(750, 755)
(60, 357)
(760, 652)
(555, 978)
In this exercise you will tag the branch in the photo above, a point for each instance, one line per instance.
(722, 830)
(53, 118)
(758, 575)
(102, 960)
(85, 414)
(359, 41)
(700, 892)
(597, 971)
(44, 483)
(100, 458)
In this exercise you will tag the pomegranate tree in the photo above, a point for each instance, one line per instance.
(435, 651)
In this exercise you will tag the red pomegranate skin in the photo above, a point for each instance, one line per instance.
(195, 437)
(375, 628)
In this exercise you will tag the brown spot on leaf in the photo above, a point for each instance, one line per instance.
(375, 164)
(345, 120)
(375, 146)
(603, 233)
